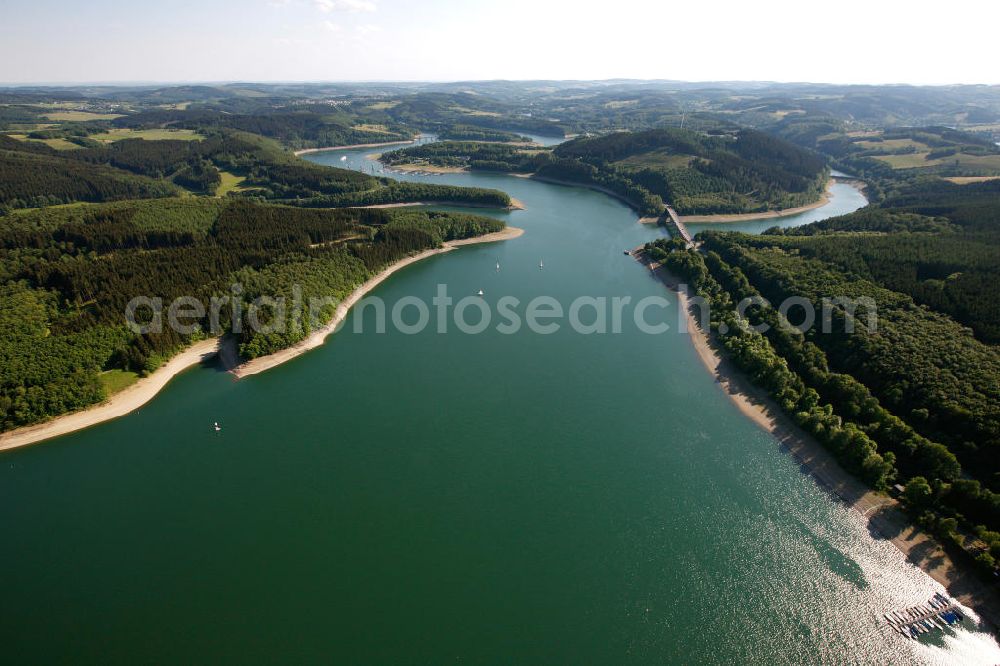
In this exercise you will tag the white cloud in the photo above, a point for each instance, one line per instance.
(327, 6)
(332, 27)
(366, 29)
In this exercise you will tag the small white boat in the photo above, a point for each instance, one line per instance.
(343, 158)
(498, 265)
(217, 426)
(480, 293)
(541, 264)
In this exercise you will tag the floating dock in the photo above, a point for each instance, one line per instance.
(936, 613)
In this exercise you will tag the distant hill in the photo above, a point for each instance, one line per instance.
(746, 171)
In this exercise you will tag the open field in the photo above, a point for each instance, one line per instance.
(114, 381)
(657, 159)
(148, 134)
(983, 127)
(423, 167)
(58, 144)
(30, 127)
(620, 103)
(382, 106)
(369, 127)
(908, 161)
(474, 112)
(916, 160)
(893, 144)
(230, 182)
(965, 180)
(71, 116)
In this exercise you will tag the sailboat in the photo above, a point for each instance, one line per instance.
(343, 158)
(480, 293)
(217, 426)
(498, 265)
(541, 264)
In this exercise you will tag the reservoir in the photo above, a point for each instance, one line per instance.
(452, 498)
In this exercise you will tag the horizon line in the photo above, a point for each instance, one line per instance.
(123, 83)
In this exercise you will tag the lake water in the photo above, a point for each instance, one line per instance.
(453, 498)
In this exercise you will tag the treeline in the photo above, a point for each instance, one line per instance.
(792, 369)
(819, 379)
(406, 192)
(67, 276)
(614, 180)
(920, 364)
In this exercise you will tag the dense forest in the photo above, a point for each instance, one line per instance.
(68, 274)
(39, 176)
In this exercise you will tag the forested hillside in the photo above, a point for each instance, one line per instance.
(746, 171)
(696, 173)
(41, 177)
(35, 174)
(67, 275)
(296, 127)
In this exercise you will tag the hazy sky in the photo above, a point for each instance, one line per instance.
(845, 41)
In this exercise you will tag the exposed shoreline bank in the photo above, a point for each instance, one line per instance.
(423, 169)
(570, 183)
(515, 204)
(124, 402)
(776, 214)
(883, 515)
(744, 217)
(145, 389)
(307, 151)
(318, 337)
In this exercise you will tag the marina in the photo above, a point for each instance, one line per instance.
(936, 613)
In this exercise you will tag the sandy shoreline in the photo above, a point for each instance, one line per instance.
(515, 204)
(883, 515)
(319, 336)
(145, 389)
(306, 151)
(742, 217)
(124, 402)
(570, 183)
(424, 169)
